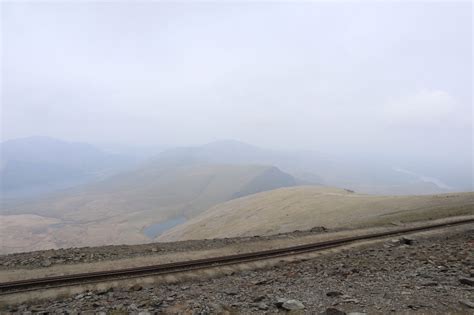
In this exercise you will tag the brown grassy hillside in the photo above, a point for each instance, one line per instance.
(117, 210)
(304, 207)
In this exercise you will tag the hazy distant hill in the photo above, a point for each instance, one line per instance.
(159, 191)
(365, 176)
(43, 164)
(119, 208)
(305, 207)
(179, 184)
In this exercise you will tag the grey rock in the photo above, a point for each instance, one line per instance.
(46, 263)
(36, 308)
(394, 242)
(132, 307)
(136, 287)
(262, 306)
(292, 305)
(156, 302)
(79, 296)
(103, 291)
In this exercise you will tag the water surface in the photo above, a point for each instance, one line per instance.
(157, 229)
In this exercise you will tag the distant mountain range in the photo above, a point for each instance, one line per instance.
(91, 197)
(157, 191)
(119, 209)
(38, 165)
(314, 168)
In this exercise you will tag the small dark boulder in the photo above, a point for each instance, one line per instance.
(468, 281)
(406, 240)
(333, 293)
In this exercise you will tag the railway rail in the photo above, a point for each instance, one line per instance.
(176, 267)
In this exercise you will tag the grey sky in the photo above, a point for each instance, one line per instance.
(360, 77)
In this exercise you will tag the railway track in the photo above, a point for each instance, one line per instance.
(169, 268)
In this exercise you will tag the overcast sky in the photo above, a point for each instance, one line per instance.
(360, 77)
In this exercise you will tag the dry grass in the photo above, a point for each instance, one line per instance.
(421, 215)
(304, 207)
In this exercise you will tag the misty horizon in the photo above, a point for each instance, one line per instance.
(145, 154)
(368, 79)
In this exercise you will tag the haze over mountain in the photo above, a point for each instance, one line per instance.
(37, 165)
(367, 176)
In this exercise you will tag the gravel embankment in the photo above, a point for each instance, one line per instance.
(69, 256)
(431, 275)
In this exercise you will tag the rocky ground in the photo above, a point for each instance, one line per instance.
(423, 275)
(47, 258)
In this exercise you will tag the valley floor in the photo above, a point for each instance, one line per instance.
(431, 275)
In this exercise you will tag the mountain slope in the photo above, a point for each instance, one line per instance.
(119, 208)
(181, 190)
(304, 207)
